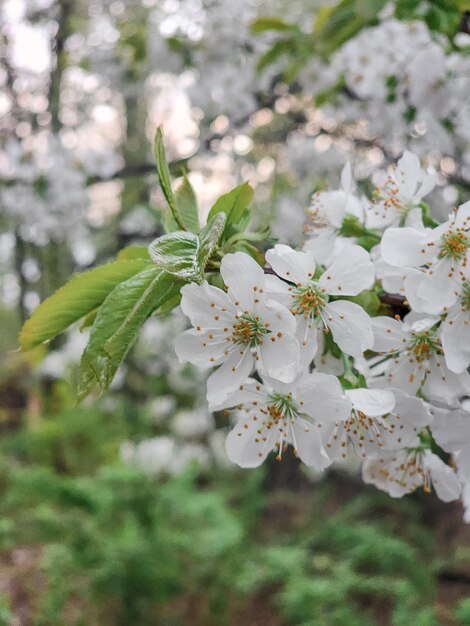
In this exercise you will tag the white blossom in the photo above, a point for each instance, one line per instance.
(412, 358)
(308, 297)
(275, 414)
(397, 202)
(237, 329)
(399, 472)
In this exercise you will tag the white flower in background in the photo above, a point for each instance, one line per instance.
(399, 472)
(454, 332)
(275, 415)
(237, 329)
(427, 80)
(397, 202)
(442, 254)
(379, 419)
(164, 455)
(308, 297)
(325, 218)
(414, 359)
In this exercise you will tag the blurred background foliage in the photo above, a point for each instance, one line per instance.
(124, 510)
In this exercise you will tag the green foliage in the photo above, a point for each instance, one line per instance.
(234, 204)
(368, 300)
(117, 323)
(165, 181)
(118, 547)
(177, 254)
(79, 296)
(327, 574)
(116, 299)
(185, 255)
(462, 612)
(336, 23)
(133, 252)
(182, 204)
(187, 205)
(366, 237)
(209, 238)
(443, 16)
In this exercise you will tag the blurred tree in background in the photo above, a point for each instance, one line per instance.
(111, 512)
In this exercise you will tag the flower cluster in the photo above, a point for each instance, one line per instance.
(359, 342)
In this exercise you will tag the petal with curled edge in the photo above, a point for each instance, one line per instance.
(296, 267)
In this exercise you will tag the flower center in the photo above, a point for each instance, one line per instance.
(249, 330)
(412, 471)
(309, 300)
(390, 198)
(281, 407)
(424, 345)
(454, 245)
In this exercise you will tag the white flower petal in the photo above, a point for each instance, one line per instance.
(231, 374)
(442, 384)
(307, 336)
(308, 444)
(294, 266)
(195, 347)
(389, 334)
(403, 247)
(437, 290)
(407, 174)
(350, 326)
(279, 357)
(411, 409)
(279, 318)
(200, 303)
(455, 338)
(243, 278)
(372, 402)
(250, 391)
(350, 273)
(245, 446)
(321, 396)
(444, 480)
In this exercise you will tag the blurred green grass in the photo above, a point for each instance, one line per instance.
(87, 540)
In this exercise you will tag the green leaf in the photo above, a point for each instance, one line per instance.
(117, 323)
(233, 204)
(164, 178)
(259, 235)
(187, 205)
(209, 238)
(257, 255)
(177, 254)
(368, 300)
(79, 296)
(263, 24)
(133, 252)
(281, 47)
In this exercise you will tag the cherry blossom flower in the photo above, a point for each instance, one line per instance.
(379, 419)
(237, 329)
(399, 472)
(325, 218)
(308, 297)
(397, 202)
(275, 414)
(442, 254)
(455, 332)
(414, 358)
